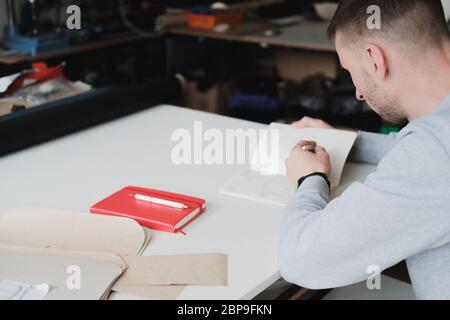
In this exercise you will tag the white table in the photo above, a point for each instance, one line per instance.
(76, 171)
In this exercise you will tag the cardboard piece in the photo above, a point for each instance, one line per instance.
(212, 100)
(107, 257)
(69, 278)
(152, 292)
(194, 269)
(162, 278)
(297, 65)
(49, 228)
(56, 237)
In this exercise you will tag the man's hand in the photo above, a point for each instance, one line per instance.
(302, 162)
(307, 122)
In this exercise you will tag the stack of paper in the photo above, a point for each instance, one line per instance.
(55, 247)
(268, 183)
(64, 243)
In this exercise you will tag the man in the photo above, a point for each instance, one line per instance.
(402, 211)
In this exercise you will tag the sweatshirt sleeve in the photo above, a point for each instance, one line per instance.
(394, 215)
(372, 147)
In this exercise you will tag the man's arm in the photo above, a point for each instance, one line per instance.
(372, 147)
(392, 216)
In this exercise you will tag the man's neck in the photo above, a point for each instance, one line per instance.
(429, 86)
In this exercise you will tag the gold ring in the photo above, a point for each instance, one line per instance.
(308, 148)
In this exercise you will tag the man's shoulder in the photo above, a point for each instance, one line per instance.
(435, 125)
(421, 146)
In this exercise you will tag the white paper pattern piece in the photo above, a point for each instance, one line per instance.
(251, 185)
(12, 290)
(268, 183)
(278, 190)
(338, 144)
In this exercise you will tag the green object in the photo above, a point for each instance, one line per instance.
(386, 129)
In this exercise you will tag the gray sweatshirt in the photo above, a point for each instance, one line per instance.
(401, 212)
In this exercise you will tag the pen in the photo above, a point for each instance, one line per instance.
(163, 202)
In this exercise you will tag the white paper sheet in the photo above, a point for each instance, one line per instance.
(267, 182)
(12, 290)
(338, 144)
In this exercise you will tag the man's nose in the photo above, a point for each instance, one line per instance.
(359, 96)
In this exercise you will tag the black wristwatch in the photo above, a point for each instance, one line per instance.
(319, 174)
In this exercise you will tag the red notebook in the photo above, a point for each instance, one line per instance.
(148, 213)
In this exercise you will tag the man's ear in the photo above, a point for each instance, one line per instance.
(375, 61)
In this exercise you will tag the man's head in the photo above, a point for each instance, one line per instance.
(379, 59)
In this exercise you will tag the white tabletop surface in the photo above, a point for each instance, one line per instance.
(75, 171)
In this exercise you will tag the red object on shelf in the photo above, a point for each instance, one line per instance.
(40, 73)
(151, 215)
(210, 21)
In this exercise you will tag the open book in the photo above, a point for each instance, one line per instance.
(268, 183)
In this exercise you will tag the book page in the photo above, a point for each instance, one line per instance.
(338, 144)
(267, 182)
(251, 185)
(278, 190)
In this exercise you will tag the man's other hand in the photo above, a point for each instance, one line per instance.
(308, 122)
(307, 158)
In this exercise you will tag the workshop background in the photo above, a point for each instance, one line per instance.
(259, 60)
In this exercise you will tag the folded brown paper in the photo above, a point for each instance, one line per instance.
(152, 292)
(194, 269)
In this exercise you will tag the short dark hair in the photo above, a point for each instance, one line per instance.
(419, 18)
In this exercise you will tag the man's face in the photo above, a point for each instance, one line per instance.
(369, 87)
